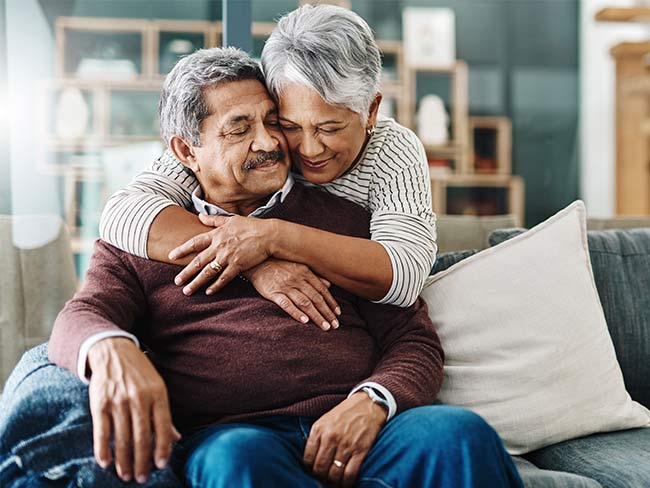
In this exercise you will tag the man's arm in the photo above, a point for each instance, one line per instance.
(410, 369)
(125, 390)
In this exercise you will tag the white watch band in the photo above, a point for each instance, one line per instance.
(376, 397)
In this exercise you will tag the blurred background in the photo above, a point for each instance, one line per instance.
(523, 105)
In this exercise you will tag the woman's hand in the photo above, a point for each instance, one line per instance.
(236, 245)
(296, 290)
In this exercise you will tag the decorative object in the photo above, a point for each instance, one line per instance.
(429, 37)
(529, 349)
(433, 121)
(72, 114)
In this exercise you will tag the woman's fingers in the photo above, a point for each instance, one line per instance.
(322, 288)
(199, 269)
(285, 303)
(195, 244)
(304, 303)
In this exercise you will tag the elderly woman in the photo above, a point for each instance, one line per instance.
(323, 67)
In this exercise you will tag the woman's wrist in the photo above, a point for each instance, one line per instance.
(274, 235)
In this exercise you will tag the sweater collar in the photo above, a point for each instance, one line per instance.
(202, 206)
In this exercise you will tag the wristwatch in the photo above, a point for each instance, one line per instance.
(376, 397)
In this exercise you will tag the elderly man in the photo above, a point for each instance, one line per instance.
(259, 399)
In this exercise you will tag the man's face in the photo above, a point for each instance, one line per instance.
(243, 155)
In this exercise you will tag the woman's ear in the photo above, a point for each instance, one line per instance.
(184, 152)
(374, 110)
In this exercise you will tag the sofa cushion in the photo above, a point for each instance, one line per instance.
(525, 338)
(534, 477)
(621, 264)
(37, 278)
(456, 232)
(614, 459)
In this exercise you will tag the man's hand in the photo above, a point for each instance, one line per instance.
(127, 394)
(237, 244)
(296, 290)
(346, 433)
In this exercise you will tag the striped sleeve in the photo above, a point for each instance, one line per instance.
(129, 213)
(402, 217)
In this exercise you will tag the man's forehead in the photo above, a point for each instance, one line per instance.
(239, 100)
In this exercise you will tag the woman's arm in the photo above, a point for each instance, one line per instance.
(360, 266)
(138, 218)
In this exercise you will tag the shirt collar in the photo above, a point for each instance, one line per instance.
(276, 199)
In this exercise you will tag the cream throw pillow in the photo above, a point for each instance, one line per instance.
(525, 339)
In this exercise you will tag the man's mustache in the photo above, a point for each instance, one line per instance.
(262, 158)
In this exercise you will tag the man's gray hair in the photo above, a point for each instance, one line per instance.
(328, 48)
(182, 105)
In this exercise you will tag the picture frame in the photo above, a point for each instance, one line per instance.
(429, 37)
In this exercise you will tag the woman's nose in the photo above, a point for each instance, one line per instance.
(310, 146)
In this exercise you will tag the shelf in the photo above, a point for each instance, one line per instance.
(458, 146)
(490, 145)
(624, 14)
(480, 196)
(447, 151)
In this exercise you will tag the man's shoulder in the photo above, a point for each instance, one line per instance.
(315, 207)
(104, 252)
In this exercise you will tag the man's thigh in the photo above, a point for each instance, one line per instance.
(248, 455)
(438, 446)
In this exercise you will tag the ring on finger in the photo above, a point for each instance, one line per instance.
(216, 266)
(338, 464)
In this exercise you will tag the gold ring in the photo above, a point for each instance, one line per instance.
(216, 266)
(338, 463)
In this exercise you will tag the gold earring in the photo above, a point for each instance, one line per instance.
(370, 130)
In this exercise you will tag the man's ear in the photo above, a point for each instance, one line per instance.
(374, 110)
(184, 152)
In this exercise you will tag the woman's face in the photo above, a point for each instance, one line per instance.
(324, 140)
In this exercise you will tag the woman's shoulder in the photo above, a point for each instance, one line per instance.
(388, 130)
(394, 145)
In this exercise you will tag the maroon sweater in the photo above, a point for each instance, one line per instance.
(236, 355)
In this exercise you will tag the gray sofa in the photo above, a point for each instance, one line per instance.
(40, 279)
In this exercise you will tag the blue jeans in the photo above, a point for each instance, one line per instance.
(434, 446)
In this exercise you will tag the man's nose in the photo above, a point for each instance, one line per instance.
(310, 146)
(264, 141)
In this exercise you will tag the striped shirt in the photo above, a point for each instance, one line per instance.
(391, 181)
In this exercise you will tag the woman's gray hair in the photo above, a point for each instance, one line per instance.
(182, 105)
(328, 48)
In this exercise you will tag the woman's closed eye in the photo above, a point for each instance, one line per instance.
(289, 128)
(329, 130)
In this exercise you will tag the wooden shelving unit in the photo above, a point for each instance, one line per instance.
(624, 14)
(512, 186)
(500, 161)
(632, 124)
(457, 149)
